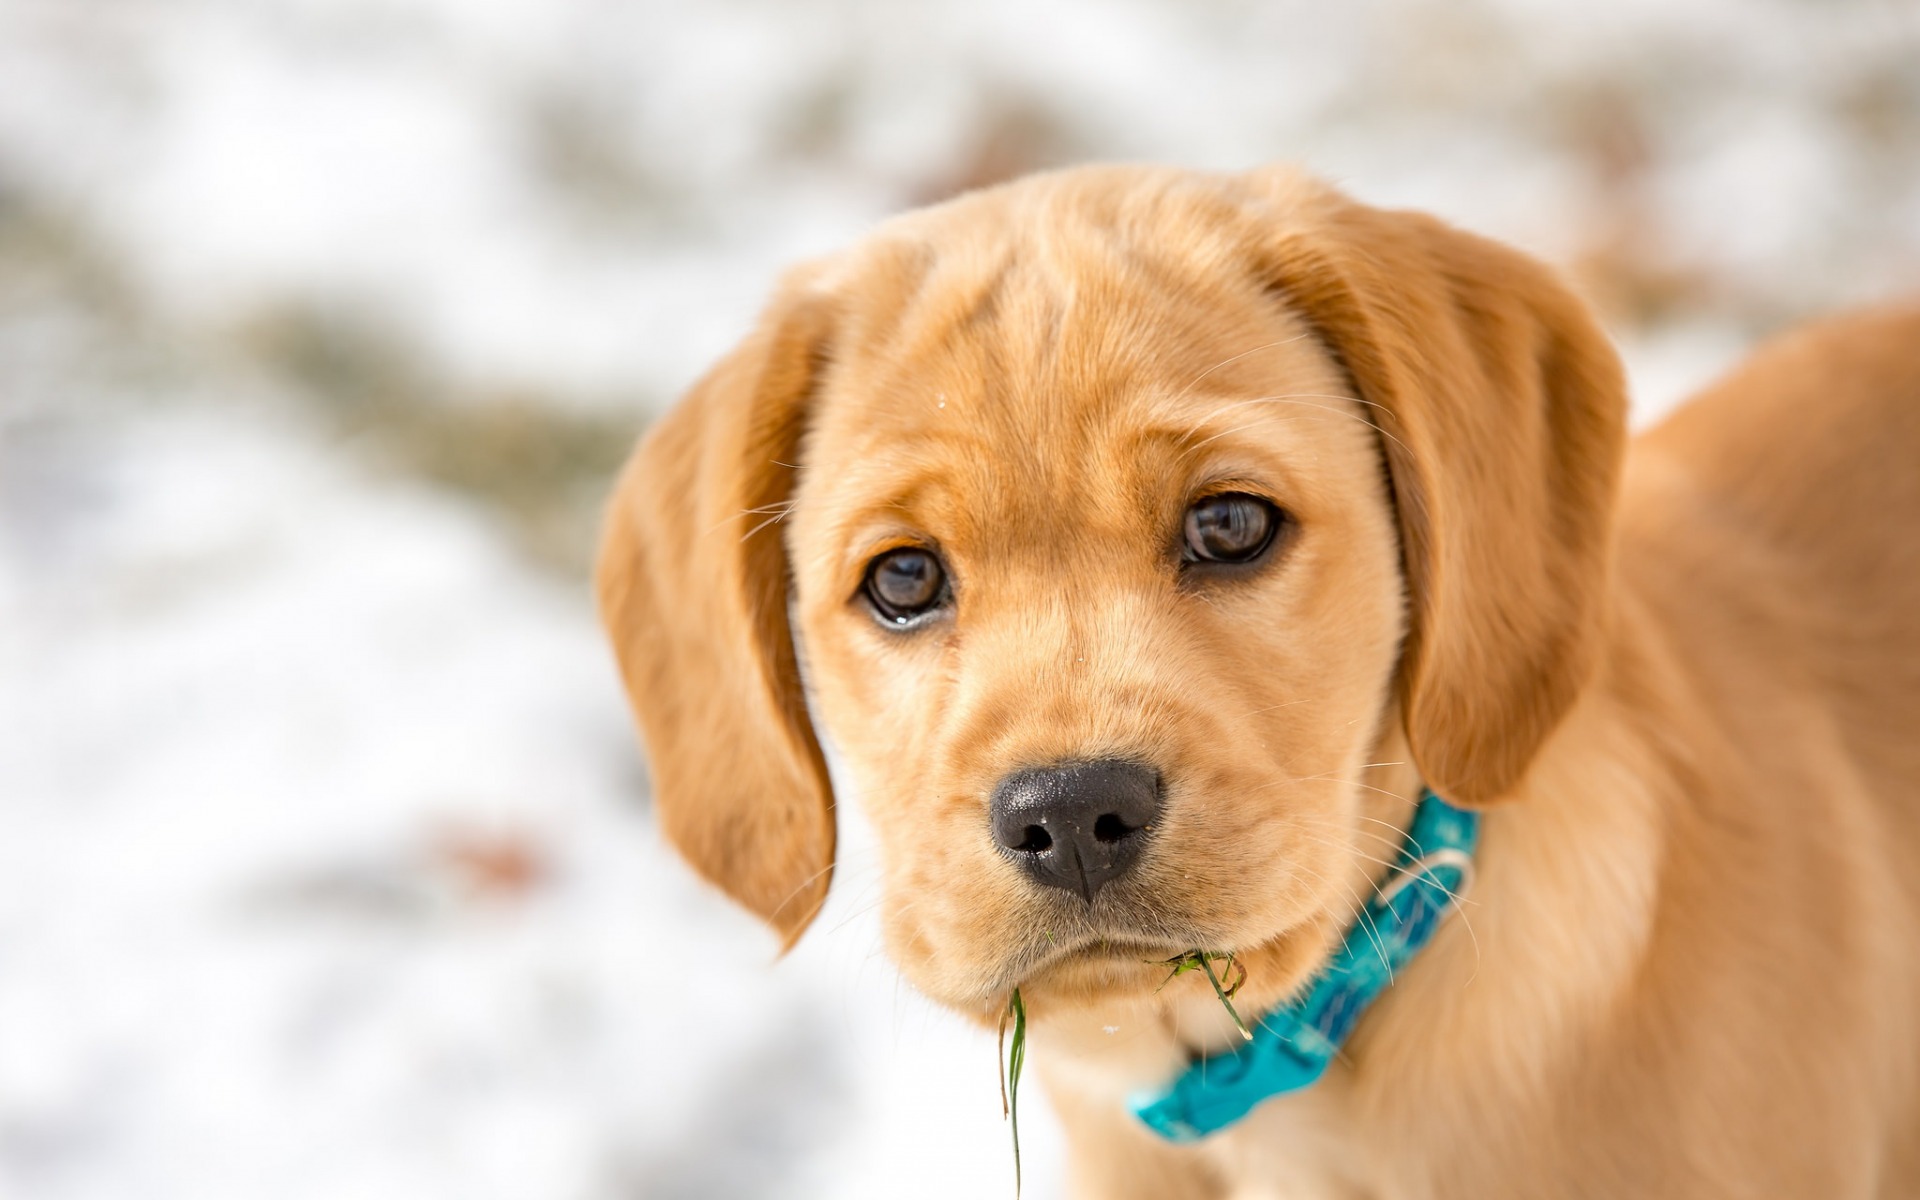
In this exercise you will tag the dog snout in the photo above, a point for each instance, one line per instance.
(1076, 826)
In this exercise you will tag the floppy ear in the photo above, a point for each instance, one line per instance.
(693, 581)
(1502, 415)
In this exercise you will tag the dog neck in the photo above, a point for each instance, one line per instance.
(1293, 1045)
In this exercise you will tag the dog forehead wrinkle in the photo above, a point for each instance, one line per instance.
(964, 291)
(1037, 297)
(998, 480)
(1033, 336)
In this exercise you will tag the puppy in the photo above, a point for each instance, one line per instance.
(1153, 541)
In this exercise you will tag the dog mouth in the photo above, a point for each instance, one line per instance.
(1135, 951)
(1101, 968)
(1115, 960)
(1141, 950)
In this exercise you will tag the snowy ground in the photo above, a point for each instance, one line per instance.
(328, 873)
(325, 862)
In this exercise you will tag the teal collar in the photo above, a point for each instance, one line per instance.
(1292, 1045)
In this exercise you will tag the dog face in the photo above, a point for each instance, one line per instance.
(1124, 515)
(1152, 546)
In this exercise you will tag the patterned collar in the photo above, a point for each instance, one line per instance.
(1293, 1045)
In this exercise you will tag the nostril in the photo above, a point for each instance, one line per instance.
(1076, 825)
(1035, 840)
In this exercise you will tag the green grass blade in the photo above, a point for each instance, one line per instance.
(1015, 1060)
(1202, 960)
(1207, 966)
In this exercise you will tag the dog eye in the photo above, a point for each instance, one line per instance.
(906, 583)
(1229, 528)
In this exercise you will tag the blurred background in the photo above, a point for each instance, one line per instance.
(326, 868)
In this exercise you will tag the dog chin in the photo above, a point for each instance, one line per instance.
(1100, 970)
(1107, 977)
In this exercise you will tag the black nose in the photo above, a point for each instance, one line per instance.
(1078, 825)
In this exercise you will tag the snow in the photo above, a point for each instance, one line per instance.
(265, 713)
(328, 869)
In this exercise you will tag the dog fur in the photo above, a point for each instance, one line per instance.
(1682, 680)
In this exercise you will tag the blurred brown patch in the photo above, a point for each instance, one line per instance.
(541, 465)
(1015, 136)
(576, 144)
(49, 260)
(1626, 262)
(815, 127)
(493, 865)
(1879, 108)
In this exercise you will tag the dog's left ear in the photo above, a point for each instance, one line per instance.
(693, 581)
(1502, 416)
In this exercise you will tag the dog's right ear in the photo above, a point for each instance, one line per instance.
(1502, 417)
(693, 582)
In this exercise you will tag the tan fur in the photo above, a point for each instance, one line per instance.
(1689, 693)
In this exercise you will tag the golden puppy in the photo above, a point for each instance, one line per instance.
(1152, 539)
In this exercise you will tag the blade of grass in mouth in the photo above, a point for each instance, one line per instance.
(1202, 960)
(1011, 1062)
(1013, 1059)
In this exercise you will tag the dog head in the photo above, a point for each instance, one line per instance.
(1122, 516)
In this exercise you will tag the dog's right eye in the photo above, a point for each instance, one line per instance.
(1229, 528)
(905, 584)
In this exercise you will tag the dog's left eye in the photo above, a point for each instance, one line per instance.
(1232, 527)
(905, 584)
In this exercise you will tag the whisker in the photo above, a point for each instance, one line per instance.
(1276, 397)
(1273, 707)
(1461, 904)
(780, 510)
(1393, 867)
(1330, 777)
(1195, 381)
(802, 886)
(1299, 398)
(1357, 913)
(773, 520)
